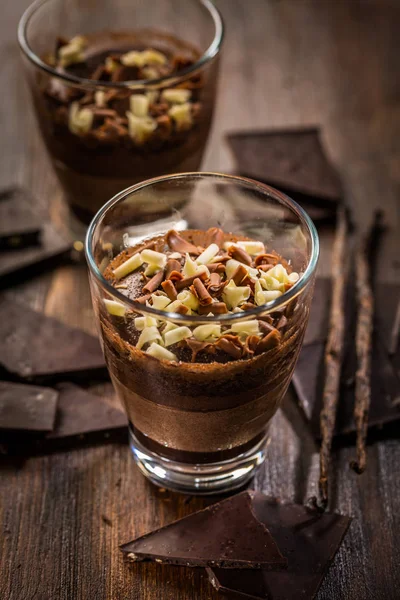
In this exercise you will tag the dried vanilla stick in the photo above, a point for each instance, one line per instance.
(333, 350)
(364, 331)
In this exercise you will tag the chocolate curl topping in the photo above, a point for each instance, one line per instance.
(216, 267)
(181, 309)
(178, 244)
(240, 255)
(215, 280)
(169, 289)
(216, 286)
(172, 265)
(184, 283)
(142, 299)
(196, 347)
(154, 283)
(201, 292)
(282, 322)
(266, 259)
(271, 340)
(248, 306)
(265, 327)
(231, 345)
(215, 235)
(216, 308)
(175, 276)
(251, 344)
(239, 274)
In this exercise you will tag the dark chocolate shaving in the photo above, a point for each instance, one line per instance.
(240, 255)
(250, 345)
(240, 274)
(201, 292)
(176, 276)
(196, 347)
(364, 331)
(333, 351)
(268, 260)
(215, 236)
(154, 283)
(231, 345)
(143, 299)
(271, 340)
(216, 267)
(188, 281)
(216, 308)
(172, 265)
(179, 244)
(169, 289)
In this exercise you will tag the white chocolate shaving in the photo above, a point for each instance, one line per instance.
(271, 283)
(133, 263)
(182, 115)
(233, 264)
(188, 299)
(169, 327)
(293, 277)
(152, 95)
(160, 302)
(207, 255)
(111, 64)
(234, 295)
(154, 258)
(149, 334)
(176, 95)
(158, 351)
(140, 128)
(73, 51)
(100, 98)
(80, 120)
(140, 59)
(139, 104)
(189, 268)
(266, 296)
(204, 332)
(176, 335)
(115, 308)
(142, 322)
(252, 248)
(246, 327)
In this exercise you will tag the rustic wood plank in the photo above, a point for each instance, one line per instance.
(285, 63)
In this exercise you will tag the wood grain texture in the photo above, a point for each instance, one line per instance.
(287, 62)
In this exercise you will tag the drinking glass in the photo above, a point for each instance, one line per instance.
(97, 157)
(200, 427)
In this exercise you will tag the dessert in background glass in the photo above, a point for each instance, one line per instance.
(123, 91)
(201, 286)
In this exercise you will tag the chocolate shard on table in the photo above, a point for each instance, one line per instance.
(230, 534)
(23, 262)
(19, 224)
(27, 407)
(385, 382)
(294, 161)
(83, 414)
(306, 537)
(35, 347)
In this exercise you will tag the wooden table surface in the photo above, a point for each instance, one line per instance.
(63, 515)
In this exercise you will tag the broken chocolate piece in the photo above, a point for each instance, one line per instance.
(169, 289)
(22, 261)
(201, 292)
(27, 407)
(228, 534)
(293, 160)
(154, 283)
(385, 386)
(19, 225)
(81, 413)
(179, 244)
(36, 347)
(310, 541)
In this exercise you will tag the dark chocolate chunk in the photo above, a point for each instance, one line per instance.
(293, 160)
(307, 538)
(24, 262)
(27, 407)
(81, 413)
(228, 534)
(385, 381)
(36, 347)
(19, 225)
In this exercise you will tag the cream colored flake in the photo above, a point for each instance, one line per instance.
(176, 335)
(181, 115)
(160, 302)
(158, 351)
(130, 265)
(115, 308)
(176, 95)
(246, 327)
(80, 120)
(140, 128)
(149, 334)
(234, 295)
(100, 98)
(208, 254)
(139, 104)
(204, 332)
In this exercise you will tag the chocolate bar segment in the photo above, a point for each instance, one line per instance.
(36, 347)
(308, 539)
(27, 407)
(228, 534)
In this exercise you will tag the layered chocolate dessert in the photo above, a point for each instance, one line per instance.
(104, 134)
(201, 392)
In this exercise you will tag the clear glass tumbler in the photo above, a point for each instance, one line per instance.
(100, 140)
(200, 427)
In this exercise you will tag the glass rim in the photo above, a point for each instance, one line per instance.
(206, 57)
(272, 306)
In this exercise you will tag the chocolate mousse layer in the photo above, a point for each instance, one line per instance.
(104, 137)
(201, 392)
